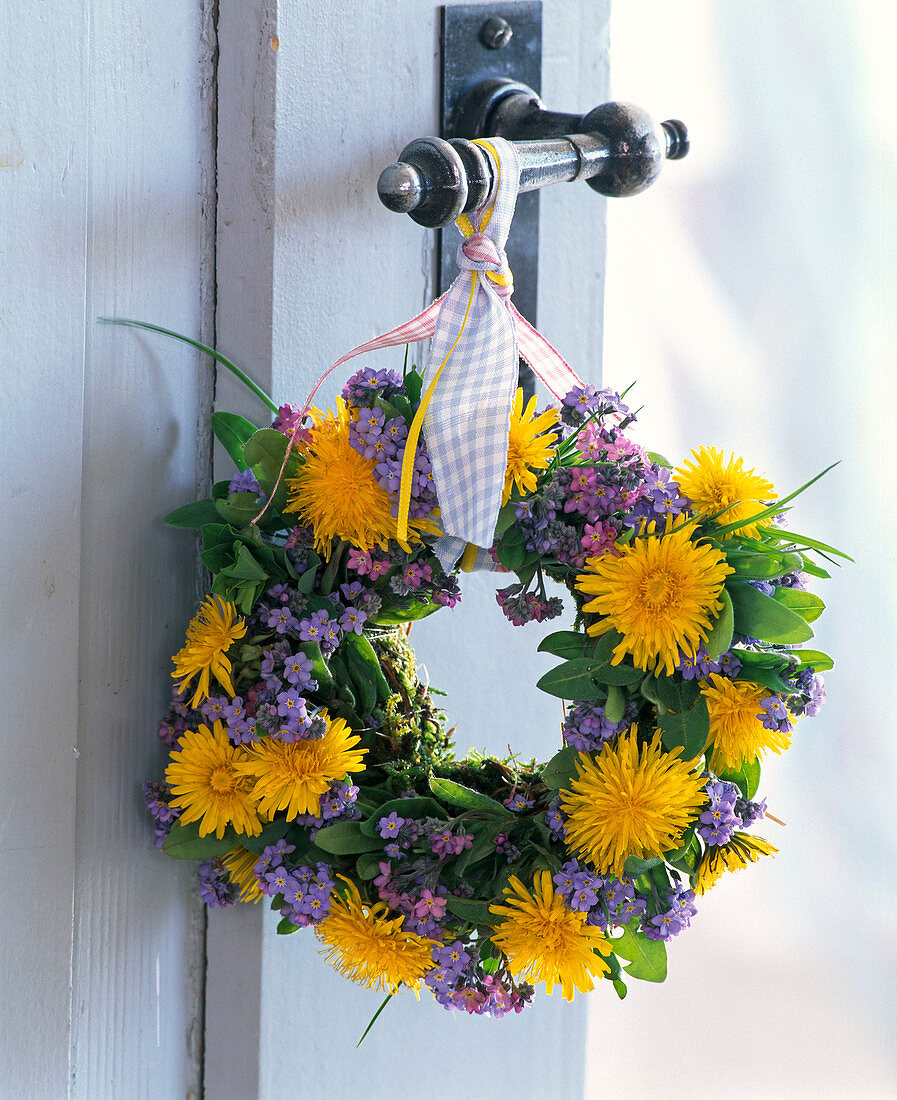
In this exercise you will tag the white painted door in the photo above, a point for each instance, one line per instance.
(211, 167)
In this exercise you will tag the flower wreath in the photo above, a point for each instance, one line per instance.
(309, 764)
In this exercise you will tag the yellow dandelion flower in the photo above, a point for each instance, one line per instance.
(292, 775)
(528, 447)
(206, 785)
(211, 633)
(547, 942)
(736, 732)
(711, 484)
(741, 850)
(367, 946)
(661, 592)
(336, 490)
(623, 803)
(239, 863)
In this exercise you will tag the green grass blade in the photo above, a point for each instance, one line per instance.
(222, 359)
(386, 1000)
(775, 508)
(802, 540)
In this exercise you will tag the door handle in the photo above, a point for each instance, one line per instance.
(617, 148)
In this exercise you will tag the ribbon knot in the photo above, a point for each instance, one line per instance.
(481, 253)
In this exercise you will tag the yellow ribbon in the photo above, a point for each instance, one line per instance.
(466, 226)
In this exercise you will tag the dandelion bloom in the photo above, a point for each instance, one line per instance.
(736, 732)
(661, 593)
(292, 775)
(206, 785)
(712, 484)
(629, 803)
(211, 633)
(367, 946)
(741, 850)
(546, 941)
(240, 864)
(336, 491)
(528, 448)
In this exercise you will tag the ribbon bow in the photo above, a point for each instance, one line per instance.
(465, 412)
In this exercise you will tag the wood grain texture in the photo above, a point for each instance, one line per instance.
(354, 83)
(103, 215)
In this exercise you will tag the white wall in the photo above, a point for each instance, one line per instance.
(104, 152)
(766, 267)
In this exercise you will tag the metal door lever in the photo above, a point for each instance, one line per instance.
(617, 148)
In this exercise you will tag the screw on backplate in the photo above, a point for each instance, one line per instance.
(496, 33)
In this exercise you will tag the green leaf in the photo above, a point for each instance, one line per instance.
(193, 516)
(413, 385)
(670, 692)
(602, 648)
(806, 604)
(648, 958)
(367, 866)
(762, 564)
(456, 794)
(760, 616)
(720, 637)
(617, 674)
(615, 707)
(345, 838)
(687, 728)
(813, 658)
(687, 856)
(476, 912)
(746, 777)
(815, 570)
(561, 769)
(270, 834)
(184, 842)
(568, 644)
(263, 452)
(240, 509)
(362, 661)
(653, 456)
(506, 517)
(483, 846)
(572, 680)
(766, 677)
(363, 681)
(233, 431)
(394, 613)
(636, 866)
(511, 557)
(371, 798)
(285, 927)
(619, 987)
(320, 672)
(341, 682)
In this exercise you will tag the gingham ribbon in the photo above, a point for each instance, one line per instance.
(473, 370)
(477, 336)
